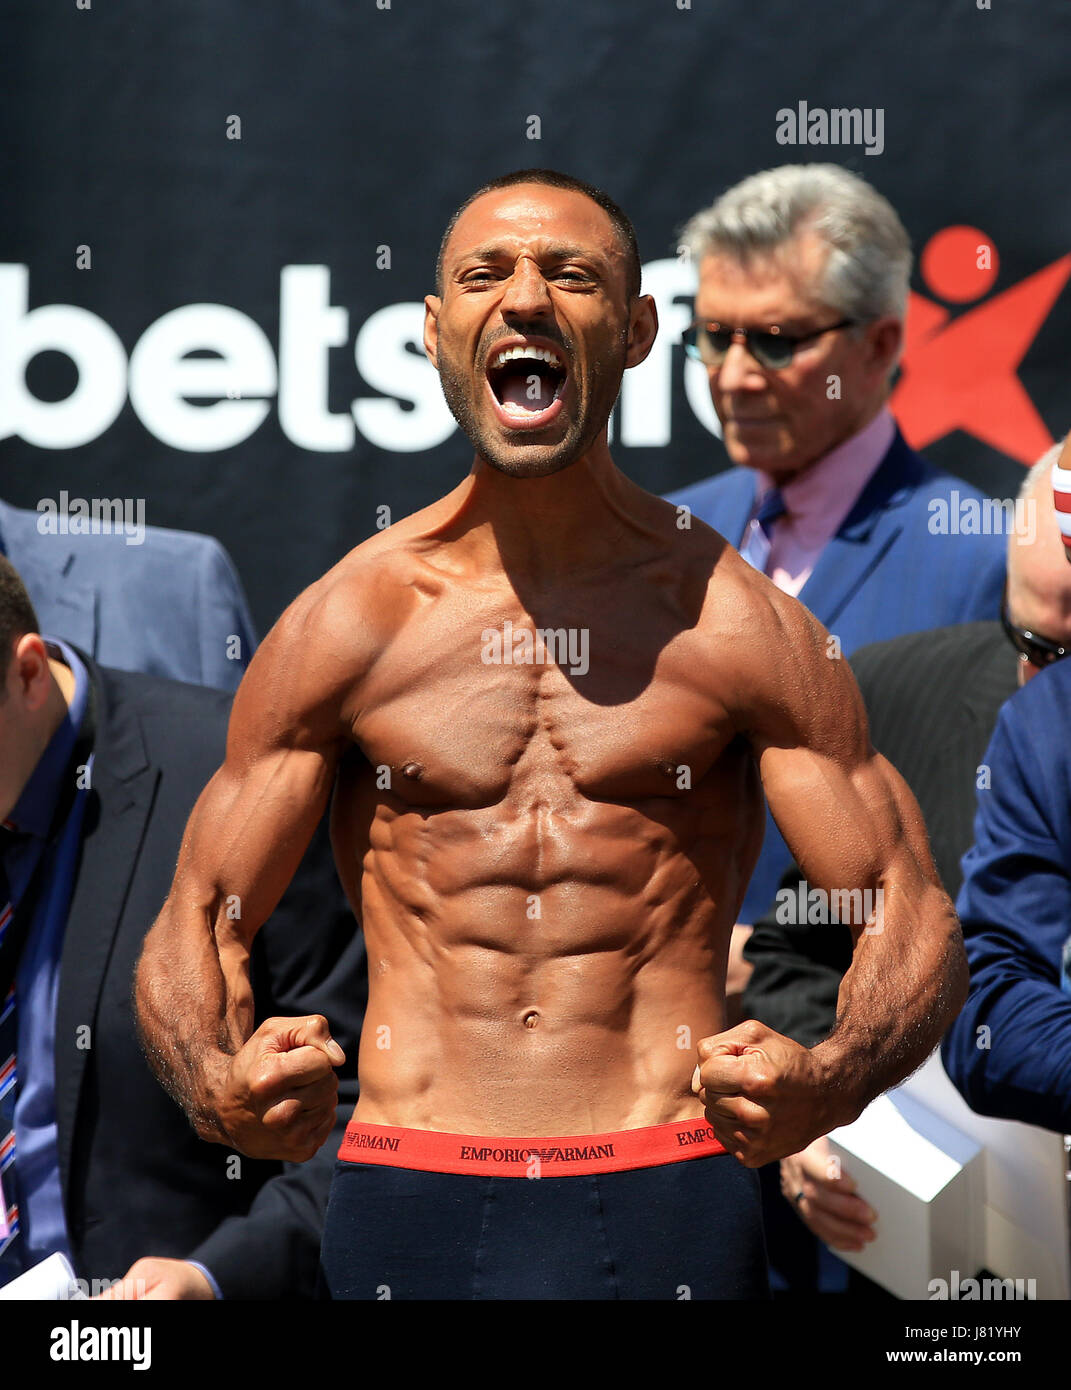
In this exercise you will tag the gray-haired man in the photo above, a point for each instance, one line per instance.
(803, 278)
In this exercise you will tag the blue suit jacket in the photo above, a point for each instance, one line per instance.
(883, 574)
(1015, 905)
(168, 607)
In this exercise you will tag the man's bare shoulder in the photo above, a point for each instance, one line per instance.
(773, 662)
(329, 637)
(758, 614)
(739, 602)
(764, 628)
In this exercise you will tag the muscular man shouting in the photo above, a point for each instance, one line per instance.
(548, 707)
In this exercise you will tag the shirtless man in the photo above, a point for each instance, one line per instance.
(546, 842)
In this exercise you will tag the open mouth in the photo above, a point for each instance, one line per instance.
(527, 383)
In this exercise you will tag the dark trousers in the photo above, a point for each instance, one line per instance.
(678, 1231)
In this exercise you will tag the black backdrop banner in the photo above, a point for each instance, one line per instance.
(219, 221)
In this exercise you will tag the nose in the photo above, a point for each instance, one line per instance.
(526, 295)
(739, 371)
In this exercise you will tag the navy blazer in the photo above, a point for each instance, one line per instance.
(136, 1179)
(1009, 1051)
(884, 573)
(170, 606)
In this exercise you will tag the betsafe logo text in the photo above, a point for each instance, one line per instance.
(204, 404)
(959, 370)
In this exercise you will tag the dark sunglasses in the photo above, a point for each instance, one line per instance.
(1039, 651)
(708, 342)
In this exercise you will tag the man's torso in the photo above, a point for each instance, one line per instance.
(547, 862)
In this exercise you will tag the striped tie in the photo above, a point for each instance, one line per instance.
(10, 1244)
(756, 546)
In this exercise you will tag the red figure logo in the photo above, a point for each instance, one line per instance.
(962, 373)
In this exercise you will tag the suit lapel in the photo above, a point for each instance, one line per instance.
(115, 820)
(865, 535)
(740, 503)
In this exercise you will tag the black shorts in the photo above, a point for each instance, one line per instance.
(683, 1230)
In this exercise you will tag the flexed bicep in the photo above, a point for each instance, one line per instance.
(245, 838)
(844, 810)
(859, 837)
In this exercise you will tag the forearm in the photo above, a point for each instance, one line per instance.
(904, 987)
(194, 1007)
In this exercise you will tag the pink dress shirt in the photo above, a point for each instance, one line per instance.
(818, 501)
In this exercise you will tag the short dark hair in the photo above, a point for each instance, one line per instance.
(17, 616)
(626, 233)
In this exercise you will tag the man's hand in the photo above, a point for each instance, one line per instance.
(279, 1094)
(765, 1095)
(823, 1196)
(160, 1279)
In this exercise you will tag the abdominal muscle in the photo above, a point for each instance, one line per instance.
(513, 1006)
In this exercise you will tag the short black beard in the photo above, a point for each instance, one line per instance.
(538, 460)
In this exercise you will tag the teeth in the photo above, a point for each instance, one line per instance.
(535, 354)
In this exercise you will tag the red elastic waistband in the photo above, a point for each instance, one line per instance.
(573, 1156)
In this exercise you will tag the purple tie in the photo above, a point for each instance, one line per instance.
(756, 547)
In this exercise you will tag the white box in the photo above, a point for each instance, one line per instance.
(926, 1181)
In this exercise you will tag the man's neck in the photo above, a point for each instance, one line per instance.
(546, 529)
(64, 679)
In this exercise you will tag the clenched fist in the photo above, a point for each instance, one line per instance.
(278, 1095)
(765, 1095)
